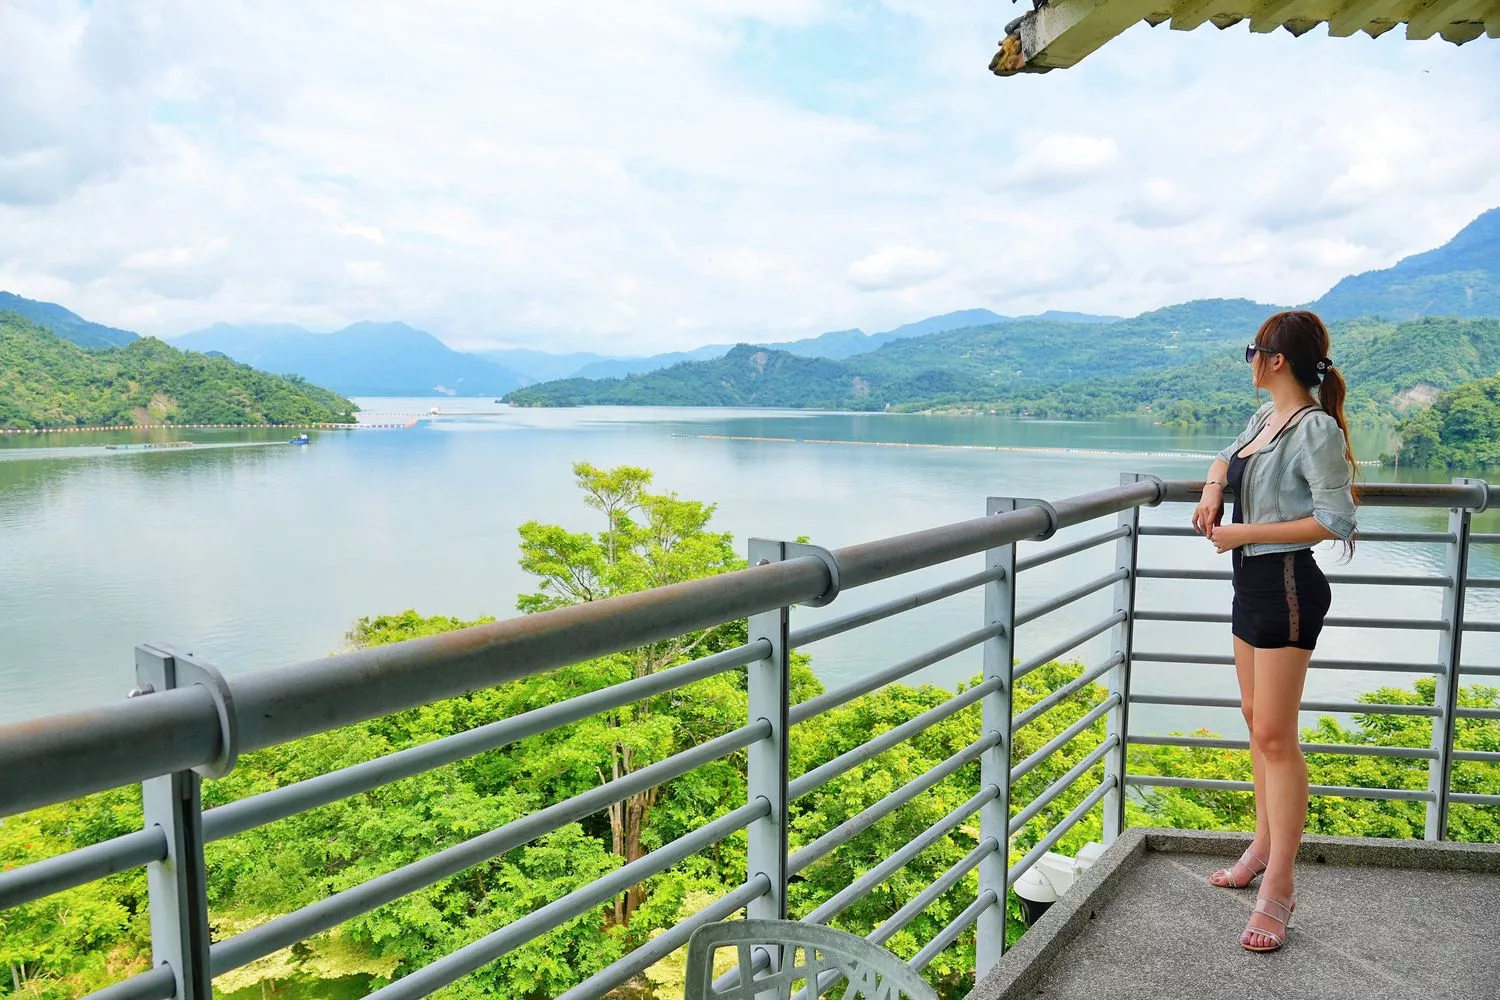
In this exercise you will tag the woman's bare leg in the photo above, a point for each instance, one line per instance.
(1244, 669)
(1279, 677)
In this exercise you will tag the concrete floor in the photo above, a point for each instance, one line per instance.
(1371, 924)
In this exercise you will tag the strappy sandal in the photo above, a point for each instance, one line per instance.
(1284, 918)
(1224, 878)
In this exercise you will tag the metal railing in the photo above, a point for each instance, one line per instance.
(186, 722)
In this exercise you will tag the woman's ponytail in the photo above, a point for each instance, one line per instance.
(1331, 394)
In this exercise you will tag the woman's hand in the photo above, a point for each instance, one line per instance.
(1210, 510)
(1230, 536)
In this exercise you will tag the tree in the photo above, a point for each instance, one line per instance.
(648, 540)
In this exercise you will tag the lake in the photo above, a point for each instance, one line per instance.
(253, 553)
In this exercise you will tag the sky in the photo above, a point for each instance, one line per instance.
(659, 174)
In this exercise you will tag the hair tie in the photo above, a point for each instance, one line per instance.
(1324, 366)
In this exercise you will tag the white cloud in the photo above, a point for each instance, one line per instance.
(631, 179)
(896, 267)
(1060, 161)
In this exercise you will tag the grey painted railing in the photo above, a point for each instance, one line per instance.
(187, 722)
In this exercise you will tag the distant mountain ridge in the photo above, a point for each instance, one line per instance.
(1460, 278)
(47, 381)
(363, 359)
(66, 324)
(967, 364)
(836, 344)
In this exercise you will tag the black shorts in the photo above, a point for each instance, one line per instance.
(1280, 599)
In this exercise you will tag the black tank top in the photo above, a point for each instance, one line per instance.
(1237, 465)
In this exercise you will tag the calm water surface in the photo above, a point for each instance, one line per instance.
(253, 553)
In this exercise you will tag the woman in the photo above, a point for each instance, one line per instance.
(1291, 471)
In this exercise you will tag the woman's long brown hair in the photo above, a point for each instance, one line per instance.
(1300, 336)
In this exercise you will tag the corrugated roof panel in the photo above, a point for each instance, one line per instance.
(1058, 33)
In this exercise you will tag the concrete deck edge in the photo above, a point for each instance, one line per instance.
(1023, 966)
(1427, 855)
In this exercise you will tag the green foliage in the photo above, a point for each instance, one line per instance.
(1460, 430)
(48, 382)
(1335, 815)
(86, 938)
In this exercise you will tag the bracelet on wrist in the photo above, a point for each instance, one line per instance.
(1215, 482)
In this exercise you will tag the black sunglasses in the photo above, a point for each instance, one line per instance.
(1251, 350)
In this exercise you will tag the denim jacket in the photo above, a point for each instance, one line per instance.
(1304, 472)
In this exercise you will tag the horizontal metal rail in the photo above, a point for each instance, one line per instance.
(334, 910)
(950, 934)
(1484, 538)
(1431, 537)
(1052, 792)
(1071, 548)
(1483, 582)
(1342, 749)
(1477, 713)
(1345, 707)
(824, 773)
(1059, 831)
(1477, 756)
(1216, 618)
(1065, 692)
(1472, 494)
(861, 886)
(455, 965)
(1471, 799)
(668, 941)
(66, 871)
(809, 634)
(922, 900)
(868, 817)
(1072, 642)
(1479, 671)
(158, 984)
(803, 711)
(1473, 626)
(1063, 738)
(1220, 660)
(246, 814)
(1372, 579)
(1068, 597)
(1344, 791)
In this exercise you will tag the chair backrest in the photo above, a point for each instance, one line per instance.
(814, 960)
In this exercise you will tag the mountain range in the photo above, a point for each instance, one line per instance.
(365, 359)
(1461, 278)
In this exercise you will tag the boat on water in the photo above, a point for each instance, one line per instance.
(300, 439)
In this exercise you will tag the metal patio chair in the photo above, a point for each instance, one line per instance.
(815, 960)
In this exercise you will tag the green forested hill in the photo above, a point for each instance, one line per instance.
(49, 382)
(976, 364)
(1388, 366)
(1176, 368)
(65, 323)
(1459, 278)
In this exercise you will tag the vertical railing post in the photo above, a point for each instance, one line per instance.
(1450, 649)
(177, 885)
(1118, 727)
(769, 685)
(994, 765)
